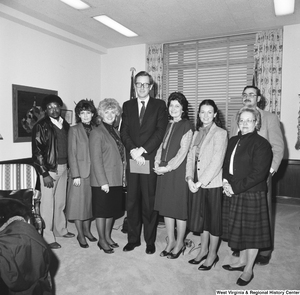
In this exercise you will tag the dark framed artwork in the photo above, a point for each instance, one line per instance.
(27, 110)
(67, 115)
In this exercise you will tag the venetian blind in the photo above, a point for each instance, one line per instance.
(215, 69)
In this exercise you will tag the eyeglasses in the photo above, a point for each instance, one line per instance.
(252, 95)
(241, 121)
(140, 85)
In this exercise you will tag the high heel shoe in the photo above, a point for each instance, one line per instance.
(230, 268)
(164, 253)
(92, 239)
(194, 261)
(175, 256)
(203, 267)
(114, 245)
(110, 251)
(82, 245)
(242, 282)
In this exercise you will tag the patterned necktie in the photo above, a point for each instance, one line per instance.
(142, 113)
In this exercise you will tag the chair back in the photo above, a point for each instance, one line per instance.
(18, 181)
(17, 176)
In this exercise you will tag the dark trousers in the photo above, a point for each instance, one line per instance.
(268, 252)
(140, 207)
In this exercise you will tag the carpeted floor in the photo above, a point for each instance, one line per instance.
(91, 271)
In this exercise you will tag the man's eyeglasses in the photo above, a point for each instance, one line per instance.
(139, 85)
(245, 95)
(241, 121)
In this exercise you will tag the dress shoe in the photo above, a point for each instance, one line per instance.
(92, 239)
(194, 261)
(262, 260)
(230, 268)
(54, 245)
(131, 246)
(175, 256)
(203, 267)
(68, 235)
(150, 249)
(114, 245)
(109, 251)
(164, 253)
(86, 245)
(236, 253)
(242, 282)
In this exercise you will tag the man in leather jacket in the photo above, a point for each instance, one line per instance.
(49, 152)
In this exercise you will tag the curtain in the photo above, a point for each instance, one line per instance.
(155, 68)
(268, 68)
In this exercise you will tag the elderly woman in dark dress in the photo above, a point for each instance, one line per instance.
(245, 215)
(79, 198)
(170, 161)
(107, 173)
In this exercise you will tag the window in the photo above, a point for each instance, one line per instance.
(215, 69)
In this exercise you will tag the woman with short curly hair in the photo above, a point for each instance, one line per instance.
(107, 173)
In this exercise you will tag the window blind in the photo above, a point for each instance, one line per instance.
(215, 69)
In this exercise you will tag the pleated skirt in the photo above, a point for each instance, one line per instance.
(246, 221)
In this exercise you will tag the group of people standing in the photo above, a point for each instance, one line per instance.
(194, 180)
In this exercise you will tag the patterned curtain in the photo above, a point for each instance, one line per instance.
(155, 67)
(268, 68)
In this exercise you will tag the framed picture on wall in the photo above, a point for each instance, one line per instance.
(67, 115)
(27, 110)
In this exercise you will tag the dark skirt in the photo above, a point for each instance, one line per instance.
(106, 205)
(246, 221)
(205, 211)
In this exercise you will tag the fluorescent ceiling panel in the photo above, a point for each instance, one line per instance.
(114, 25)
(284, 7)
(77, 4)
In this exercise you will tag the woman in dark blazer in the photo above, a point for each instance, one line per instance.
(107, 173)
(245, 210)
(79, 198)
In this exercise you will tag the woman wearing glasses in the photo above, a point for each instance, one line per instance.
(245, 211)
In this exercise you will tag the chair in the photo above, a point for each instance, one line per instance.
(19, 181)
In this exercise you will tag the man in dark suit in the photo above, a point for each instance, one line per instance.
(144, 122)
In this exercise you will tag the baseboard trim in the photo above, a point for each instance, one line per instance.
(287, 200)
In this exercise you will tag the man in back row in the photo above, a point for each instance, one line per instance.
(270, 130)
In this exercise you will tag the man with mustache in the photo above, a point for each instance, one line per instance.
(270, 130)
(49, 153)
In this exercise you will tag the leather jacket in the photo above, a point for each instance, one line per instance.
(44, 146)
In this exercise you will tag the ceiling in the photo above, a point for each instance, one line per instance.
(157, 21)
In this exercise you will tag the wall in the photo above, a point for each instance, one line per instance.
(290, 89)
(115, 70)
(36, 58)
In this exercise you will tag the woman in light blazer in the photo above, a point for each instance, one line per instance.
(107, 173)
(204, 177)
(79, 200)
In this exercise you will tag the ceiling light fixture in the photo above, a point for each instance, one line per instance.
(284, 7)
(77, 4)
(104, 19)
